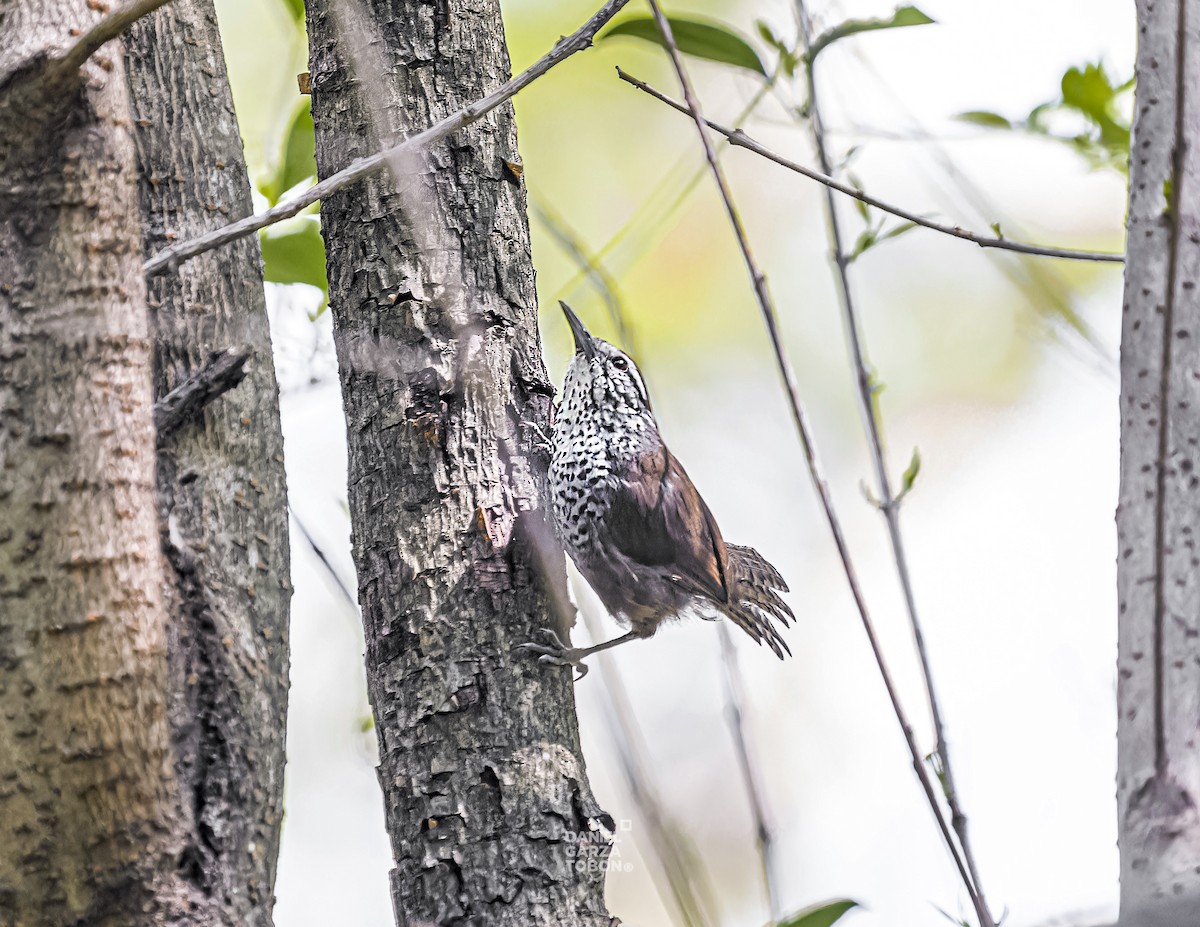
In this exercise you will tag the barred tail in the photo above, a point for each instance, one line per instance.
(754, 587)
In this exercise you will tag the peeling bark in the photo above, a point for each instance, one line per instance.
(222, 497)
(1158, 520)
(490, 814)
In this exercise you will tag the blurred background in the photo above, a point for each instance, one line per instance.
(1000, 369)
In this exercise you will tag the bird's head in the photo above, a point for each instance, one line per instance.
(601, 377)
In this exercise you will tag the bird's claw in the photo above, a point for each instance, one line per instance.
(556, 653)
(543, 442)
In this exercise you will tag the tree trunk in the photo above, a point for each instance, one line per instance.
(86, 789)
(221, 485)
(141, 697)
(1158, 520)
(488, 806)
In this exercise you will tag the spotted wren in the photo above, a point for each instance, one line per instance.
(631, 519)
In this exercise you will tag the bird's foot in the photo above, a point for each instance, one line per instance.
(543, 441)
(557, 653)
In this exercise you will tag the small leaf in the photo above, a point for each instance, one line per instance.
(293, 252)
(711, 41)
(904, 16)
(981, 117)
(844, 164)
(787, 57)
(999, 232)
(861, 207)
(865, 242)
(896, 231)
(822, 915)
(956, 921)
(298, 160)
(1088, 90)
(910, 473)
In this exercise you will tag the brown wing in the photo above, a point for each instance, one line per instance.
(657, 518)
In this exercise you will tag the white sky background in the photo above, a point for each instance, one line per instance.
(1010, 531)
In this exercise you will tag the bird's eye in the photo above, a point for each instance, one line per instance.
(620, 363)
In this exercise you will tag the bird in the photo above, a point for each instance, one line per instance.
(631, 519)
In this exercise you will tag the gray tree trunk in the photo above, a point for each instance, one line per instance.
(1158, 520)
(487, 801)
(141, 696)
(87, 793)
(222, 496)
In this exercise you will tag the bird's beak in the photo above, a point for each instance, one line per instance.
(584, 343)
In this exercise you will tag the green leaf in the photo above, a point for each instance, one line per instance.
(767, 34)
(822, 915)
(904, 16)
(787, 56)
(896, 231)
(709, 40)
(296, 8)
(981, 117)
(1088, 90)
(293, 252)
(870, 237)
(910, 473)
(297, 160)
(299, 149)
(866, 240)
(861, 207)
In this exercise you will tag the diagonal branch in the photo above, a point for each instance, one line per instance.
(107, 29)
(364, 167)
(889, 503)
(739, 139)
(814, 468)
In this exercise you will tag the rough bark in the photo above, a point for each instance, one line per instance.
(221, 485)
(86, 789)
(1158, 520)
(488, 806)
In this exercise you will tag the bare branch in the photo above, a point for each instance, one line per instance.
(740, 139)
(364, 167)
(224, 370)
(735, 698)
(889, 502)
(320, 554)
(109, 28)
(770, 318)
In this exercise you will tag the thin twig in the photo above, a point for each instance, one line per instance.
(735, 698)
(364, 167)
(104, 31)
(889, 504)
(686, 882)
(739, 139)
(662, 215)
(806, 441)
(324, 558)
(223, 371)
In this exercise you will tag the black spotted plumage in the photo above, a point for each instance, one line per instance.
(631, 518)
